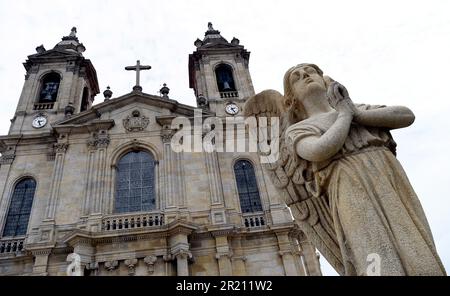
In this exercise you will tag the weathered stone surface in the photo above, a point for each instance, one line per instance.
(74, 162)
(339, 175)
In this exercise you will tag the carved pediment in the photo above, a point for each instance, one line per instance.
(96, 112)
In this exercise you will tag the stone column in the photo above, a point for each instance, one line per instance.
(179, 247)
(211, 85)
(286, 253)
(168, 170)
(224, 261)
(311, 258)
(84, 248)
(89, 190)
(6, 161)
(215, 182)
(298, 259)
(218, 215)
(182, 262)
(174, 187)
(60, 151)
(224, 252)
(238, 263)
(40, 261)
(95, 182)
(288, 263)
(180, 186)
(167, 264)
(238, 259)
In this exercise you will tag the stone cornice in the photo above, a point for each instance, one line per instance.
(222, 230)
(40, 251)
(95, 238)
(91, 126)
(201, 235)
(30, 139)
(181, 226)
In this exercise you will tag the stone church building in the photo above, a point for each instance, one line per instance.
(102, 180)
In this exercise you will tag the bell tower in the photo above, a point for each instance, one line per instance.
(59, 82)
(219, 74)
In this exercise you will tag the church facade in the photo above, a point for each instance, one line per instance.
(102, 181)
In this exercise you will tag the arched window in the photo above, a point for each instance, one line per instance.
(20, 208)
(135, 183)
(247, 187)
(224, 77)
(49, 89)
(84, 100)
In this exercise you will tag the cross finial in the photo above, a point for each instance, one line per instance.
(138, 67)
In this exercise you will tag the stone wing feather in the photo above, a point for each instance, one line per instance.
(294, 180)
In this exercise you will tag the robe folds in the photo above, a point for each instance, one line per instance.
(376, 214)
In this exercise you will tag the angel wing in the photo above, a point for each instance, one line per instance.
(294, 180)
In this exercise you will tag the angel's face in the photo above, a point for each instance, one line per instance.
(305, 80)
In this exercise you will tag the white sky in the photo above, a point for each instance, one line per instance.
(384, 52)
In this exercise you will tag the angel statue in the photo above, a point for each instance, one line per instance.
(338, 173)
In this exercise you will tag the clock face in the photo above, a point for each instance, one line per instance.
(232, 109)
(39, 122)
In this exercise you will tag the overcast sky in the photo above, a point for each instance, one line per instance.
(384, 52)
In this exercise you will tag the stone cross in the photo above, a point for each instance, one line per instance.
(138, 67)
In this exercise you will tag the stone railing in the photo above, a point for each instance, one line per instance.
(252, 220)
(10, 246)
(43, 106)
(132, 221)
(229, 94)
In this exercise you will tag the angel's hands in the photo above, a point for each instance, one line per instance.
(339, 99)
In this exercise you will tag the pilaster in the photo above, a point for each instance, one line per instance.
(215, 187)
(182, 257)
(311, 258)
(6, 161)
(173, 183)
(60, 151)
(179, 246)
(238, 259)
(95, 182)
(223, 250)
(286, 253)
(40, 261)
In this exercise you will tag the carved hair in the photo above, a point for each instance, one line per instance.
(296, 111)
